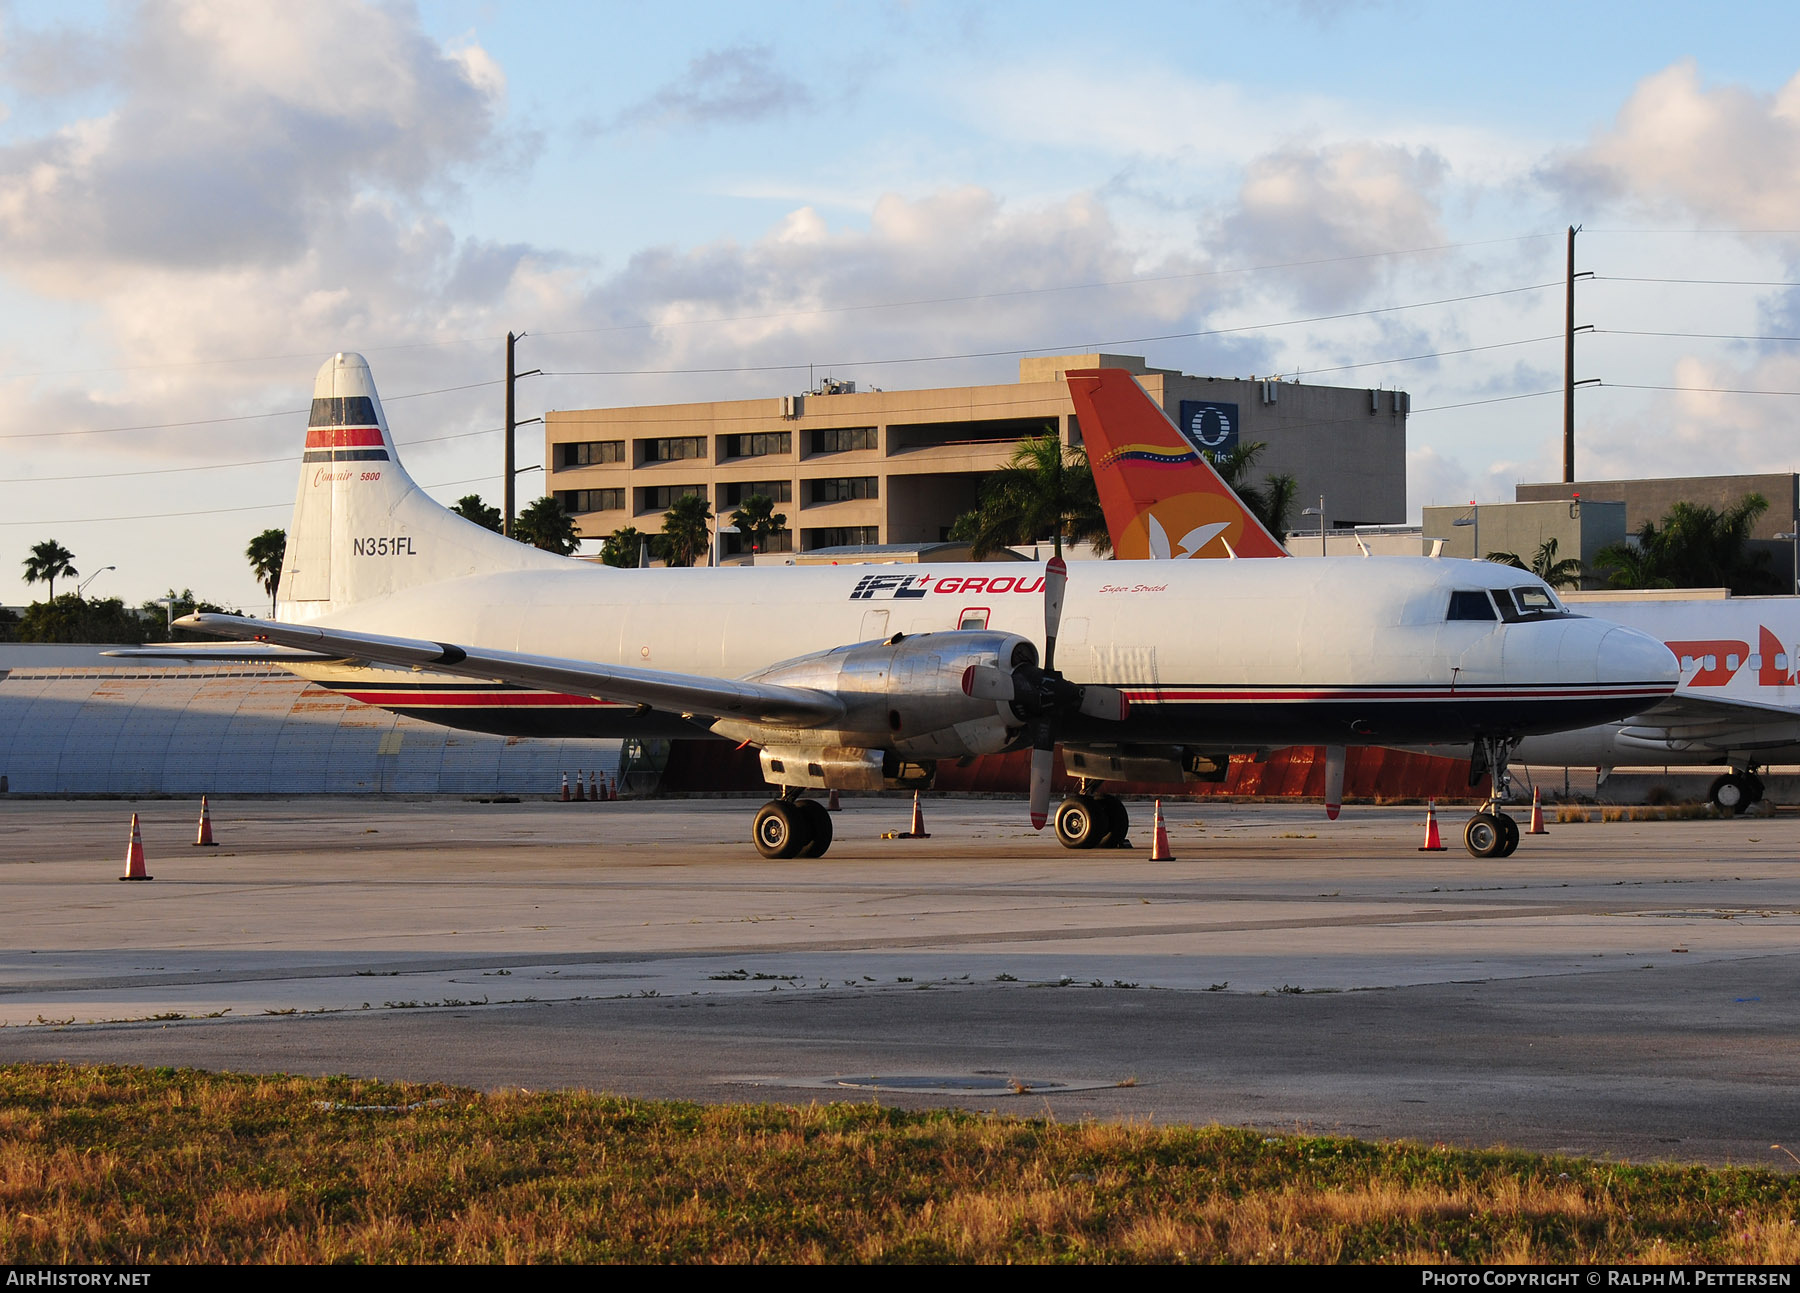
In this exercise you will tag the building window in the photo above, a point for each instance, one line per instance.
(660, 498)
(843, 439)
(673, 448)
(839, 536)
(576, 501)
(733, 493)
(759, 444)
(591, 453)
(842, 488)
(778, 541)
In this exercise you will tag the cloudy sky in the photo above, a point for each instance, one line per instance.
(200, 201)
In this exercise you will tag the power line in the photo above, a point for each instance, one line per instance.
(1702, 282)
(1704, 336)
(241, 417)
(1034, 291)
(215, 511)
(1496, 399)
(1082, 347)
(1436, 354)
(223, 466)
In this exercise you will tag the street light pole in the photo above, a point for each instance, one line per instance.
(82, 586)
(1473, 519)
(1319, 512)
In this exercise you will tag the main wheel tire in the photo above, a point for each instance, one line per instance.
(818, 829)
(1754, 784)
(1078, 822)
(780, 830)
(1484, 836)
(1118, 822)
(1729, 794)
(1509, 835)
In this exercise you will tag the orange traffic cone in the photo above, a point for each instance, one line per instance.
(918, 822)
(593, 786)
(1159, 842)
(1432, 843)
(580, 791)
(134, 856)
(831, 803)
(612, 786)
(1537, 815)
(205, 839)
(565, 797)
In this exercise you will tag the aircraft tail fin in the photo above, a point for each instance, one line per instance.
(1161, 498)
(362, 528)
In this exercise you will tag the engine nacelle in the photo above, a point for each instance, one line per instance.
(905, 695)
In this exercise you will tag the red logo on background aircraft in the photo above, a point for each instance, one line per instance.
(1722, 651)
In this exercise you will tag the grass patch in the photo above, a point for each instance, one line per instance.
(103, 1164)
(1634, 813)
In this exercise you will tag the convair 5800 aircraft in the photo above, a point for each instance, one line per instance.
(857, 677)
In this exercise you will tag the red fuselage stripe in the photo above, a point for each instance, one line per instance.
(343, 438)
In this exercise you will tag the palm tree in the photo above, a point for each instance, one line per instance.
(265, 554)
(1273, 503)
(49, 561)
(621, 547)
(1694, 547)
(1045, 490)
(1558, 574)
(545, 525)
(685, 535)
(471, 508)
(758, 519)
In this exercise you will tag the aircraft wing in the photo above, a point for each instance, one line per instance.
(672, 692)
(219, 653)
(1686, 709)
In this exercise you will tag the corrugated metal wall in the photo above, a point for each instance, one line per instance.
(249, 730)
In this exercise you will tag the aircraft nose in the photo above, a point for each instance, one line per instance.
(1627, 656)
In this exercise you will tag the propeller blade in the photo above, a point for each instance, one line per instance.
(984, 682)
(1043, 762)
(1334, 780)
(1056, 579)
(1104, 702)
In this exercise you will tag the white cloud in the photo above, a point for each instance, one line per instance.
(737, 85)
(1348, 203)
(1725, 153)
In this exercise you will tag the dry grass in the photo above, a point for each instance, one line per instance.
(132, 1165)
(1634, 812)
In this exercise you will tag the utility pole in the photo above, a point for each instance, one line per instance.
(1569, 367)
(506, 475)
(507, 507)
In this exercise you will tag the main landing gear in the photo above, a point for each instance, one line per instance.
(1490, 833)
(791, 827)
(1087, 821)
(1735, 791)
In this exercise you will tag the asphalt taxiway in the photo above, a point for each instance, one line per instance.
(1626, 990)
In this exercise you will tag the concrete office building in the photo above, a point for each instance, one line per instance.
(854, 468)
(1651, 499)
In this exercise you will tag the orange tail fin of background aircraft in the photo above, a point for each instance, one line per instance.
(1161, 498)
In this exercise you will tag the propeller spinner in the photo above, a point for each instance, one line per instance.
(1043, 696)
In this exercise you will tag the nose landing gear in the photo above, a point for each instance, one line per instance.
(1490, 833)
(1735, 791)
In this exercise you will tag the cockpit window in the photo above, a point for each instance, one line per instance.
(1471, 604)
(1529, 603)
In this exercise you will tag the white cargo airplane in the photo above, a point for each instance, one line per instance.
(853, 677)
(1738, 704)
(1739, 699)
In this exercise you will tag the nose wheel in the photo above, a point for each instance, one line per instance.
(1490, 833)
